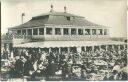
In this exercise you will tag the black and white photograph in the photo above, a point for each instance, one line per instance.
(64, 40)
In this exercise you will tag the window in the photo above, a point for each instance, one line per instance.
(105, 31)
(93, 31)
(100, 32)
(35, 31)
(73, 31)
(68, 18)
(57, 31)
(41, 31)
(87, 31)
(29, 31)
(24, 31)
(65, 31)
(80, 31)
(49, 31)
(19, 32)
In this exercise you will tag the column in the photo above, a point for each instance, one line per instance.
(83, 31)
(97, 33)
(92, 48)
(123, 47)
(53, 31)
(90, 33)
(59, 49)
(68, 48)
(106, 47)
(76, 31)
(62, 33)
(38, 31)
(69, 31)
(26, 31)
(113, 47)
(100, 47)
(118, 47)
(32, 31)
(44, 31)
(21, 32)
(85, 48)
(50, 50)
(79, 49)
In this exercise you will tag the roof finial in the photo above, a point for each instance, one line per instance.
(51, 8)
(65, 9)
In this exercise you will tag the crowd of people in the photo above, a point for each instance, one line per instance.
(91, 65)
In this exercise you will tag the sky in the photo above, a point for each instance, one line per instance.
(111, 13)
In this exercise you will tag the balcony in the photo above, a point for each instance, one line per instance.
(22, 36)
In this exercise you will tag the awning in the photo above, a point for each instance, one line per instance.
(48, 44)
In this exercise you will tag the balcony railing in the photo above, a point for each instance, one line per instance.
(22, 36)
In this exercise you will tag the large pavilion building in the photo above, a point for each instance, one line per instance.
(62, 31)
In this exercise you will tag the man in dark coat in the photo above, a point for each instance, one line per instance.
(18, 68)
(51, 69)
(27, 67)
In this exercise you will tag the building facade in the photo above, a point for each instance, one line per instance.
(62, 30)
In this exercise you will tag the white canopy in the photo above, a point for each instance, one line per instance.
(48, 44)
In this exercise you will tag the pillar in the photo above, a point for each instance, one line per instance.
(79, 49)
(76, 31)
(62, 33)
(59, 50)
(44, 31)
(90, 33)
(69, 31)
(68, 48)
(32, 31)
(106, 47)
(50, 50)
(113, 47)
(53, 31)
(21, 32)
(85, 48)
(92, 48)
(124, 47)
(118, 47)
(26, 32)
(100, 47)
(38, 31)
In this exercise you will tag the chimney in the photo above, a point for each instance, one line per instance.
(65, 9)
(51, 8)
(22, 19)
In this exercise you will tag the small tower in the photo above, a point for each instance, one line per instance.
(51, 8)
(65, 9)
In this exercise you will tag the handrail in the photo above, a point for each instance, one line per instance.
(22, 36)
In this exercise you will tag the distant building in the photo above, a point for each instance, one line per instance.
(62, 31)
